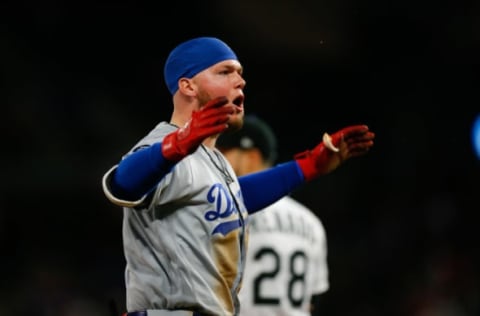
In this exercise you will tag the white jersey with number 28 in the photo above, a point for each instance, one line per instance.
(286, 261)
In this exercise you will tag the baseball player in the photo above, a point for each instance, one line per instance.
(286, 265)
(185, 217)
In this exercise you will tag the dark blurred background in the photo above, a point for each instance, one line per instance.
(80, 83)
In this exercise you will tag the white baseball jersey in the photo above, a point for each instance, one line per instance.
(184, 243)
(286, 261)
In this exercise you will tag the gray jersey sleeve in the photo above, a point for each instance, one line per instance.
(156, 135)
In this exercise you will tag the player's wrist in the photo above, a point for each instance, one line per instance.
(307, 165)
(170, 149)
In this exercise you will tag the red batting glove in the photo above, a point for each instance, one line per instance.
(352, 141)
(211, 119)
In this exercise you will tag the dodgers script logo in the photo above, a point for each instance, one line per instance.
(224, 207)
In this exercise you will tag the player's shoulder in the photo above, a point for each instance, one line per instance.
(290, 201)
(289, 212)
(296, 206)
(155, 135)
(160, 131)
(289, 205)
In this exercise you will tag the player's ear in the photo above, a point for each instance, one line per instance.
(185, 86)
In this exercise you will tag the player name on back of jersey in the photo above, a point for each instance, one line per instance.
(282, 223)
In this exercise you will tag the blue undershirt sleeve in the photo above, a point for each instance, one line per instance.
(139, 173)
(263, 188)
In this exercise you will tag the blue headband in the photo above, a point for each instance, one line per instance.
(191, 57)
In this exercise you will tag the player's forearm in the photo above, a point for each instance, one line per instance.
(139, 173)
(265, 187)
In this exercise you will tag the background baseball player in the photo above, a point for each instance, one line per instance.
(185, 212)
(286, 265)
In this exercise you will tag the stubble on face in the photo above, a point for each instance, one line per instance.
(203, 97)
(235, 122)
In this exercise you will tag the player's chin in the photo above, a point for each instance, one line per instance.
(236, 121)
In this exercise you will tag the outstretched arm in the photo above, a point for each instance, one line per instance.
(139, 173)
(349, 142)
(265, 187)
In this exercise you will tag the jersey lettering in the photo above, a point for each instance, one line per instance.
(223, 203)
(224, 207)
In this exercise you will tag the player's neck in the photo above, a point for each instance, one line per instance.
(182, 114)
(179, 120)
(210, 141)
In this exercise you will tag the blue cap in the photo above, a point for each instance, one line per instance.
(193, 56)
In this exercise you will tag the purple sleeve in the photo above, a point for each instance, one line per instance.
(263, 188)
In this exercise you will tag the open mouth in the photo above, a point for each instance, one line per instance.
(238, 101)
